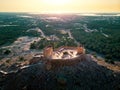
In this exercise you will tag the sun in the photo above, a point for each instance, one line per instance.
(56, 2)
(56, 6)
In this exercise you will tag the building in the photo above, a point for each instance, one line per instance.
(47, 52)
(64, 52)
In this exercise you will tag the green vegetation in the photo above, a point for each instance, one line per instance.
(96, 41)
(21, 59)
(7, 51)
(12, 27)
(64, 41)
(108, 46)
(110, 61)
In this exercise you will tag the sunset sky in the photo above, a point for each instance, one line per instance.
(60, 6)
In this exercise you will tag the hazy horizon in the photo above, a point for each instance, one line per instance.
(61, 6)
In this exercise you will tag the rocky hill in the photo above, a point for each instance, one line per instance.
(83, 73)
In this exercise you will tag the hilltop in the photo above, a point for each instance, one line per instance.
(81, 73)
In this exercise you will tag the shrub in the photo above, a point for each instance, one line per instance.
(109, 61)
(7, 52)
(21, 58)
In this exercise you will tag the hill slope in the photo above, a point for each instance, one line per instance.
(85, 74)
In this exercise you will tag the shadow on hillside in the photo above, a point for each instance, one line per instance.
(79, 74)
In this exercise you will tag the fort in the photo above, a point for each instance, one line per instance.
(68, 55)
(64, 52)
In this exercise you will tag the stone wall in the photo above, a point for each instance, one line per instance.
(47, 52)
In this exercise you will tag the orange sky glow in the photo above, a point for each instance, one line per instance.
(59, 6)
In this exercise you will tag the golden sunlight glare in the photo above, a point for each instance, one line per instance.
(56, 2)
